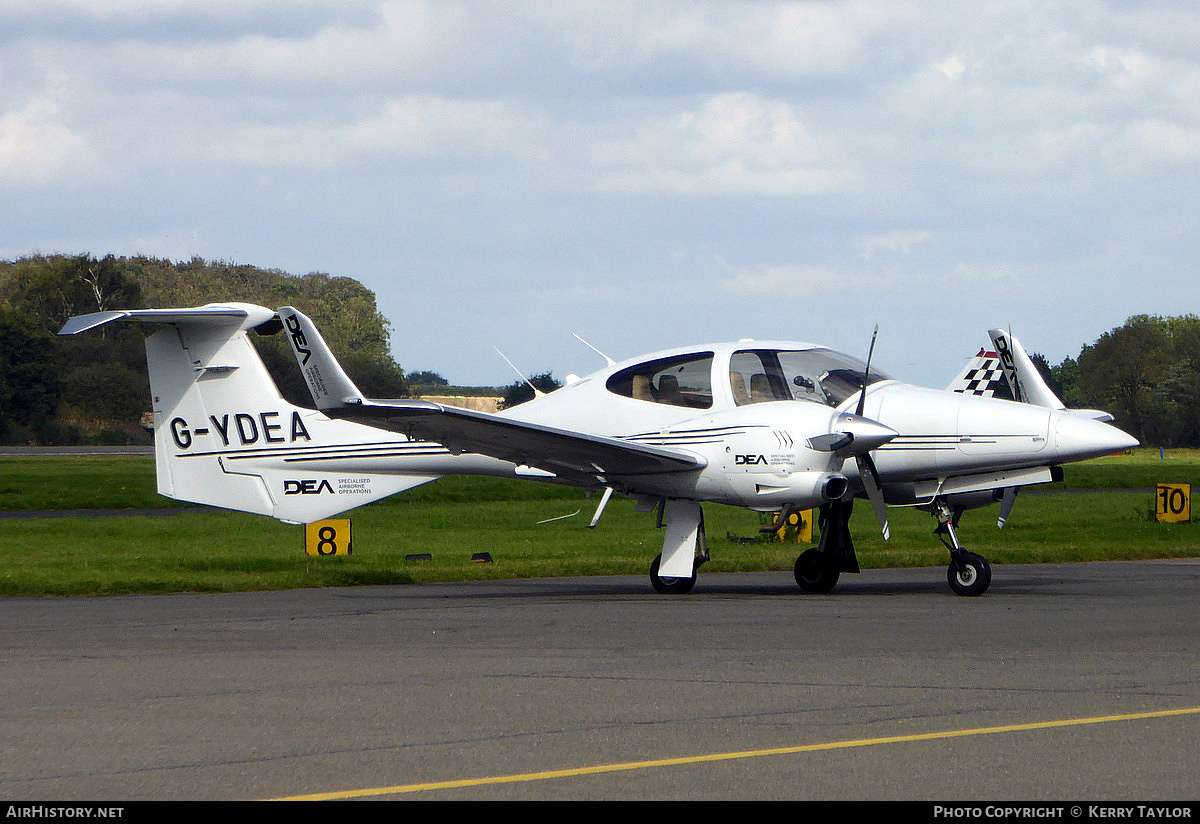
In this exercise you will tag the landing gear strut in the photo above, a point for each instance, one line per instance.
(968, 574)
(685, 547)
(817, 570)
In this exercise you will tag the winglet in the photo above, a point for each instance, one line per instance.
(329, 384)
(1023, 377)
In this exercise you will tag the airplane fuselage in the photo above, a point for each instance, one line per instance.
(754, 454)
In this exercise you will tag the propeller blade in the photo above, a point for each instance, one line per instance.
(1006, 505)
(870, 479)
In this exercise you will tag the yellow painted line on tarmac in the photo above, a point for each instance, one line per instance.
(546, 775)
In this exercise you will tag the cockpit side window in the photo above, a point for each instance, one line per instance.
(755, 377)
(821, 375)
(685, 380)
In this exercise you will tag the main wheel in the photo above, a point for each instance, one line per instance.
(668, 585)
(814, 574)
(973, 579)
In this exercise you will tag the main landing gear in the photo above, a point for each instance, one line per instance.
(968, 574)
(670, 585)
(818, 570)
(685, 547)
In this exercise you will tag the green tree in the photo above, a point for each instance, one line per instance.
(29, 384)
(107, 391)
(1066, 375)
(103, 375)
(520, 391)
(1144, 373)
(48, 290)
(426, 378)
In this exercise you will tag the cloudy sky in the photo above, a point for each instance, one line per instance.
(644, 174)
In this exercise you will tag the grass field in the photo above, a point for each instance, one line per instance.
(451, 519)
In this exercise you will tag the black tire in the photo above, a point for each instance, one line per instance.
(813, 572)
(670, 586)
(974, 580)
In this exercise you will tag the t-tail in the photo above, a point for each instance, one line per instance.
(225, 437)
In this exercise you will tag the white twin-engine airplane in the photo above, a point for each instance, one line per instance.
(770, 426)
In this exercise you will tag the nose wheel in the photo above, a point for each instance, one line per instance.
(968, 574)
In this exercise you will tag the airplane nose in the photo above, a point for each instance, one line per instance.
(1079, 438)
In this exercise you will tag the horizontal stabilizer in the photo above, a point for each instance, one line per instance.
(244, 315)
(1007, 372)
(223, 435)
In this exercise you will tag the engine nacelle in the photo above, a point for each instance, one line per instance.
(804, 490)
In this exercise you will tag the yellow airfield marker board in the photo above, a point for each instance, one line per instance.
(799, 527)
(1173, 503)
(326, 538)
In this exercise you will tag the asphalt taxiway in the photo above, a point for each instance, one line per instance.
(1063, 682)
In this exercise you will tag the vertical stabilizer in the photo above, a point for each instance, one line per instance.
(225, 437)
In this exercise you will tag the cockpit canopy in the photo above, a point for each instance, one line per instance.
(754, 375)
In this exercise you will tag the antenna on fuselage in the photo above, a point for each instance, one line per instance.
(611, 362)
(536, 392)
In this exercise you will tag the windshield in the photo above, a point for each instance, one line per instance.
(821, 375)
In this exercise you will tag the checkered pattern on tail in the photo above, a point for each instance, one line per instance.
(983, 376)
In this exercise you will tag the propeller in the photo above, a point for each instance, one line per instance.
(854, 436)
(857, 436)
(1006, 505)
(866, 466)
(862, 398)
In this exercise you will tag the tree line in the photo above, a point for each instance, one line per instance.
(93, 388)
(1146, 372)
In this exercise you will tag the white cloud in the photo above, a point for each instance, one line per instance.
(785, 39)
(730, 144)
(899, 241)
(952, 67)
(1164, 142)
(794, 281)
(403, 141)
(37, 148)
(412, 127)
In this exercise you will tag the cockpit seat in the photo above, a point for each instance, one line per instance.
(668, 391)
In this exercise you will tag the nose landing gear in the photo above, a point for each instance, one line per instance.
(968, 574)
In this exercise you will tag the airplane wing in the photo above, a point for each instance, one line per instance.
(565, 453)
(576, 456)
